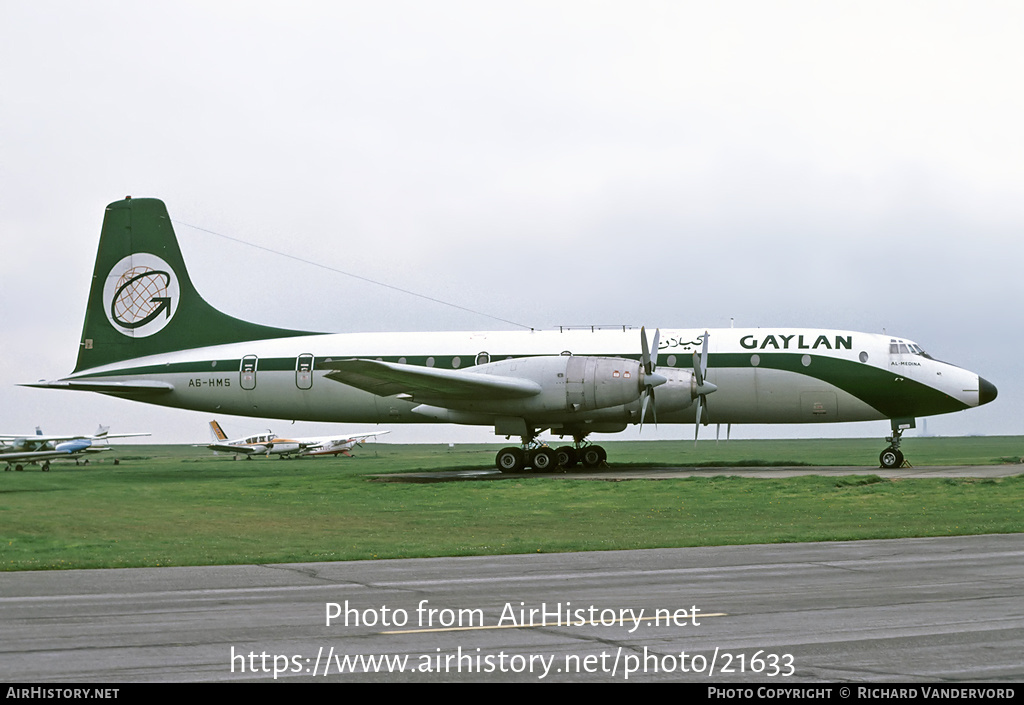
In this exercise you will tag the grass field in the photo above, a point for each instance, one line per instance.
(174, 505)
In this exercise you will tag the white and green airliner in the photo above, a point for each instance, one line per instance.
(149, 336)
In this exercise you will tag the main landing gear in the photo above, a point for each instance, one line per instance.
(20, 468)
(535, 456)
(892, 457)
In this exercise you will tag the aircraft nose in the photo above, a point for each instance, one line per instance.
(986, 391)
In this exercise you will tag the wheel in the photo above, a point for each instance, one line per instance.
(510, 460)
(593, 456)
(543, 460)
(890, 458)
(566, 456)
(46, 466)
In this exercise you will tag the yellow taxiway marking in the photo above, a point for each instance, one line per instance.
(570, 623)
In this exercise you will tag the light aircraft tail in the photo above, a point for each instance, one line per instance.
(142, 300)
(217, 432)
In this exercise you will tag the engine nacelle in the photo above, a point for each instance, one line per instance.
(569, 384)
(677, 393)
(600, 382)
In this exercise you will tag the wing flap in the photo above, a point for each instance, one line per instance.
(389, 378)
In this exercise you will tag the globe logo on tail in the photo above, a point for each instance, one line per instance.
(140, 295)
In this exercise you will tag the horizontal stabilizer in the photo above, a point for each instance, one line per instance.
(142, 387)
(389, 378)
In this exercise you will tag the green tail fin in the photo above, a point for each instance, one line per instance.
(142, 301)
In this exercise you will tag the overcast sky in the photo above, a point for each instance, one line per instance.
(852, 165)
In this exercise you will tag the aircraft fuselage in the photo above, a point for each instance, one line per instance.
(762, 375)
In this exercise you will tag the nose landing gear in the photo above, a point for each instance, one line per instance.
(892, 457)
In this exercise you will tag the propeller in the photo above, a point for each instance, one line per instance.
(651, 380)
(703, 387)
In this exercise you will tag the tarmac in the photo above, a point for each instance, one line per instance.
(613, 474)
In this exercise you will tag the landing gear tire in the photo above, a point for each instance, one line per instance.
(543, 460)
(592, 456)
(510, 459)
(890, 458)
(567, 457)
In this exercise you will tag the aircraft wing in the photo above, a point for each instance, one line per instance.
(39, 438)
(364, 436)
(248, 450)
(389, 378)
(34, 455)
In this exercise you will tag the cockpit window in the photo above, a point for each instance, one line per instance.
(906, 347)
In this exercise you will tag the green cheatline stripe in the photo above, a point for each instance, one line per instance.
(892, 395)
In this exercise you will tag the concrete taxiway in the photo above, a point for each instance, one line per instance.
(659, 473)
(910, 610)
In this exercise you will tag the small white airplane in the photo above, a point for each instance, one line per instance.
(149, 336)
(270, 444)
(36, 448)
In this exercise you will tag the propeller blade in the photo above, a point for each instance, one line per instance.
(648, 396)
(700, 368)
(649, 363)
(704, 356)
(651, 379)
(645, 353)
(696, 426)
